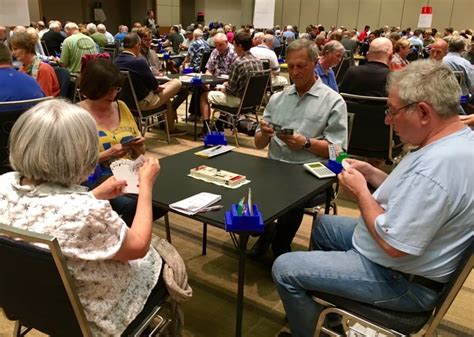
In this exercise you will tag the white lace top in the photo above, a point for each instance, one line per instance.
(89, 233)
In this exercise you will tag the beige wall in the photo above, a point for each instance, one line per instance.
(116, 11)
(168, 12)
(376, 13)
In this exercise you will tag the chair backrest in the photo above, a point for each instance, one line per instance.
(414, 54)
(278, 50)
(111, 48)
(204, 59)
(88, 57)
(45, 48)
(128, 94)
(64, 78)
(267, 67)
(254, 92)
(36, 288)
(370, 136)
(346, 62)
(460, 77)
(9, 113)
(452, 288)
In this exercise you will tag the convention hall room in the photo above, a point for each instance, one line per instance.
(247, 168)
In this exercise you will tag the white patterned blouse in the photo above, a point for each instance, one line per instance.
(89, 233)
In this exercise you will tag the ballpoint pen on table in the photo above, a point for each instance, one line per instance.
(249, 200)
(216, 148)
(211, 208)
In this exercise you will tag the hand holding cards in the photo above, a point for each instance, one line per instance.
(125, 169)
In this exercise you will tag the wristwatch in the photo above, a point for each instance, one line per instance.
(307, 144)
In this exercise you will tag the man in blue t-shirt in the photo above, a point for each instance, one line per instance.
(391, 256)
(15, 85)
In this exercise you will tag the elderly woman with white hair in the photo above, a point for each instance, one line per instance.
(331, 56)
(54, 147)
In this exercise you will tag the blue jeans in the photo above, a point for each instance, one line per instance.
(335, 267)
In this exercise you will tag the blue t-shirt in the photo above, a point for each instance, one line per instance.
(429, 209)
(329, 79)
(17, 86)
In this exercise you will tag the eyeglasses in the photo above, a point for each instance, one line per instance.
(117, 89)
(388, 111)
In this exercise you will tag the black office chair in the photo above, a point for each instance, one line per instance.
(414, 54)
(250, 103)
(346, 62)
(37, 291)
(9, 113)
(45, 48)
(64, 79)
(145, 119)
(370, 136)
(389, 322)
(204, 59)
(113, 49)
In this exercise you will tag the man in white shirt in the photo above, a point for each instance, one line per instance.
(263, 51)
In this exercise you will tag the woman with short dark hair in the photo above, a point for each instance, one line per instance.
(101, 83)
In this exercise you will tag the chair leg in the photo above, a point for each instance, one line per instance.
(235, 131)
(167, 227)
(186, 111)
(17, 329)
(167, 130)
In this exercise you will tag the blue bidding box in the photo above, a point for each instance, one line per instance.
(334, 166)
(243, 223)
(215, 138)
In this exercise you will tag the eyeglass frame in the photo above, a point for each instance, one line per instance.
(389, 114)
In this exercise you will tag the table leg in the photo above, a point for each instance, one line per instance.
(204, 238)
(197, 108)
(243, 240)
(329, 195)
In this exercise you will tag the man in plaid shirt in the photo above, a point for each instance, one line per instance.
(222, 57)
(232, 91)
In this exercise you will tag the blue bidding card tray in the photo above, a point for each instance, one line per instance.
(215, 138)
(334, 166)
(243, 223)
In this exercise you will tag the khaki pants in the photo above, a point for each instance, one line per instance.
(220, 98)
(156, 99)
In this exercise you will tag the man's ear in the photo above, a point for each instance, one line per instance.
(425, 112)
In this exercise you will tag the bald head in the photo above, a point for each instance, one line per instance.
(438, 50)
(220, 42)
(380, 50)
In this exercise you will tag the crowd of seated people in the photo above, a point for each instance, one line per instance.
(104, 124)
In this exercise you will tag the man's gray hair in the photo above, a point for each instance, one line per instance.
(54, 25)
(91, 28)
(332, 46)
(197, 33)
(101, 28)
(55, 141)
(456, 44)
(71, 27)
(428, 81)
(308, 45)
